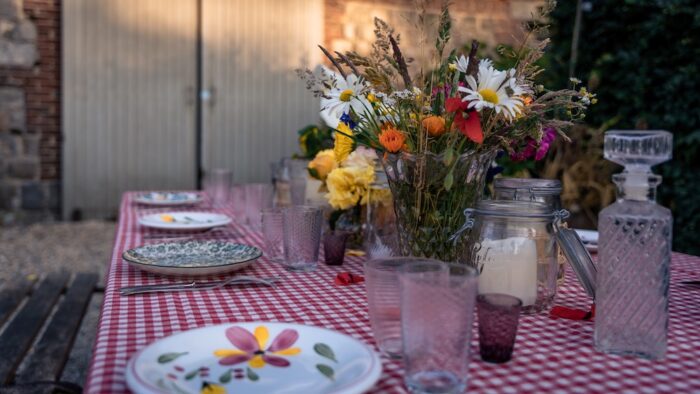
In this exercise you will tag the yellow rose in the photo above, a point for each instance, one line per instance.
(343, 142)
(348, 185)
(322, 164)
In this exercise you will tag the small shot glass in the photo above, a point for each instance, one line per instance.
(498, 325)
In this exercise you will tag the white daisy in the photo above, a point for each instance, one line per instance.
(345, 94)
(495, 89)
(462, 64)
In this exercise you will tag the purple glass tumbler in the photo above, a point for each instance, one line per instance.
(334, 247)
(498, 325)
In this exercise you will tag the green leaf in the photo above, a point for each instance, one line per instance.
(324, 350)
(449, 181)
(251, 375)
(168, 357)
(448, 157)
(192, 374)
(326, 370)
(225, 377)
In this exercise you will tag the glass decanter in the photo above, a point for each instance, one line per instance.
(634, 250)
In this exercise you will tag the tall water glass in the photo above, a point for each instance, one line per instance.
(217, 185)
(238, 203)
(437, 316)
(258, 196)
(302, 237)
(273, 233)
(383, 297)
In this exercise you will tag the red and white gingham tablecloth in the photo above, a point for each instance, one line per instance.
(551, 355)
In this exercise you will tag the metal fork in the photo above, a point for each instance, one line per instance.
(194, 285)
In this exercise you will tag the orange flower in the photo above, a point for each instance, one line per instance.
(434, 125)
(527, 100)
(391, 139)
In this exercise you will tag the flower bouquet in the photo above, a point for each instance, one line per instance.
(437, 132)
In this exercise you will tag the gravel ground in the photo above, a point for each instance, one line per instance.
(45, 247)
(61, 246)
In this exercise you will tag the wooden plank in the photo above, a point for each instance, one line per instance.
(20, 332)
(79, 360)
(50, 353)
(11, 295)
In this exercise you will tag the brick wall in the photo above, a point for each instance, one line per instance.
(349, 23)
(30, 76)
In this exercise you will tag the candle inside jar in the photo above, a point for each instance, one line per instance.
(509, 266)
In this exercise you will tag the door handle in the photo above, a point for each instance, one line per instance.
(208, 96)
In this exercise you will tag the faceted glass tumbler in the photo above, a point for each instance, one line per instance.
(302, 237)
(383, 297)
(334, 247)
(258, 196)
(437, 317)
(498, 324)
(217, 185)
(273, 233)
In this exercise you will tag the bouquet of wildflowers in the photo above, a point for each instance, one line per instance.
(437, 131)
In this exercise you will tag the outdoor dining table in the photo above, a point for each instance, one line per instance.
(551, 354)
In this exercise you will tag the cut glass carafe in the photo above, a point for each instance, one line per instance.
(634, 250)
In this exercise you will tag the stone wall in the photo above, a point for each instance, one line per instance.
(349, 23)
(29, 110)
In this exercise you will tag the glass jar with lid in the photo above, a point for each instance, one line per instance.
(547, 191)
(513, 246)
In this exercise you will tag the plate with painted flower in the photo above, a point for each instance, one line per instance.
(257, 357)
(168, 198)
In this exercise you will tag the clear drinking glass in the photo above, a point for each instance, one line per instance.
(302, 237)
(437, 317)
(498, 325)
(298, 175)
(258, 196)
(238, 203)
(217, 185)
(383, 297)
(273, 233)
(381, 237)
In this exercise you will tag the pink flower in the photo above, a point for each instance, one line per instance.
(534, 149)
(250, 347)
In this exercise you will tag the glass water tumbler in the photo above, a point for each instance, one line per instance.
(258, 196)
(514, 246)
(634, 250)
(383, 298)
(302, 237)
(217, 185)
(437, 316)
(273, 233)
(546, 191)
(498, 325)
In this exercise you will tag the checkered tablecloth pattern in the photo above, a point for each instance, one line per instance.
(551, 355)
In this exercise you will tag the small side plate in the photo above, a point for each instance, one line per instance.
(192, 258)
(167, 198)
(184, 220)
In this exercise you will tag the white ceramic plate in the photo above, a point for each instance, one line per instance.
(184, 220)
(167, 198)
(589, 238)
(259, 357)
(192, 258)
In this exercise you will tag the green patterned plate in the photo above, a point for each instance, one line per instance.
(192, 258)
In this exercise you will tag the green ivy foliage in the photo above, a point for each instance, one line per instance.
(642, 59)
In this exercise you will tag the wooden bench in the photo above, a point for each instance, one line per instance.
(40, 321)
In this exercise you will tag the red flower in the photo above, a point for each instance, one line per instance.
(468, 123)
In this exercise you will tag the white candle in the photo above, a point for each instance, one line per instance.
(509, 267)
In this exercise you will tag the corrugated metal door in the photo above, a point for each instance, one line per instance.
(250, 51)
(129, 70)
